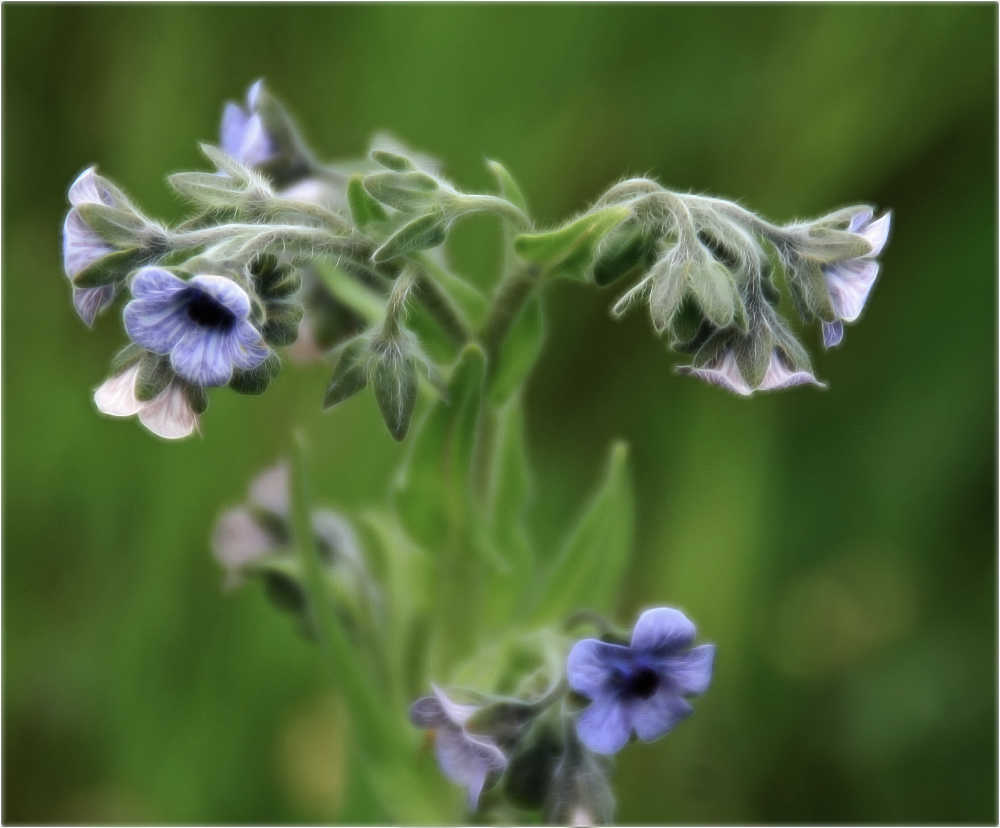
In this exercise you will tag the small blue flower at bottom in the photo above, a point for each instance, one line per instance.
(466, 759)
(639, 687)
(203, 323)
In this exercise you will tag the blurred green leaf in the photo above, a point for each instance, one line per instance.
(518, 354)
(364, 208)
(588, 570)
(568, 251)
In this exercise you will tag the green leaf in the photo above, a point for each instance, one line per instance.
(363, 301)
(115, 225)
(281, 327)
(208, 189)
(393, 161)
(623, 251)
(420, 234)
(518, 354)
(256, 380)
(753, 353)
(471, 302)
(508, 187)
(667, 293)
(155, 373)
(569, 250)
(809, 290)
(115, 267)
(435, 482)
(364, 208)
(350, 375)
(713, 289)
(274, 280)
(197, 397)
(407, 191)
(394, 380)
(588, 570)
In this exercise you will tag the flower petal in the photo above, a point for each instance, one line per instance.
(234, 125)
(226, 292)
(662, 631)
(81, 245)
(604, 727)
(116, 396)
(457, 713)
(849, 284)
(247, 348)
(91, 301)
(157, 325)
(427, 713)
(589, 664)
(877, 233)
(724, 373)
(833, 332)
(860, 219)
(467, 761)
(690, 673)
(87, 189)
(256, 145)
(202, 357)
(253, 93)
(780, 375)
(239, 540)
(170, 414)
(655, 716)
(156, 284)
(269, 489)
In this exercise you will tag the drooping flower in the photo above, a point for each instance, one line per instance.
(466, 759)
(247, 534)
(725, 373)
(243, 134)
(641, 687)
(202, 323)
(168, 415)
(849, 282)
(82, 246)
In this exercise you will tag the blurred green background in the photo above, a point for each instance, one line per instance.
(838, 545)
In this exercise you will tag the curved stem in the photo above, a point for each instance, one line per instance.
(510, 298)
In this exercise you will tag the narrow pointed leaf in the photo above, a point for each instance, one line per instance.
(420, 234)
(508, 187)
(364, 208)
(569, 250)
(518, 354)
(394, 381)
(349, 377)
(588, 570)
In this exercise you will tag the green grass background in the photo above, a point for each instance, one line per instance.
(839, 546)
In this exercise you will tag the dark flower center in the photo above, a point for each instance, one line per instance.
(208, 312)
(641, 682)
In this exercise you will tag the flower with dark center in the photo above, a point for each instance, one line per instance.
(641, 687)
(203, 324)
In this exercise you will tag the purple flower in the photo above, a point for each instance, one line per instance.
(849, 282)
(82, 247)
(640, 687)
(464, 758)
(724, 372)
(168, 415)
(202, 323)
(243, 134)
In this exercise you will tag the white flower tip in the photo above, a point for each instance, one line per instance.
(877, 233)
(238, 540)
(116, 397)
(725, 374)
(254, 92)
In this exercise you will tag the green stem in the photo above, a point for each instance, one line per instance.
(440, 306)
(511, 296)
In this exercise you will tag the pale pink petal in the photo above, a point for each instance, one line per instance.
(116, 396)
(780, 375)
(724, 373)
(169, 415)
(238, 540)
(269, 490)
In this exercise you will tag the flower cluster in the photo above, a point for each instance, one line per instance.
(552, 752)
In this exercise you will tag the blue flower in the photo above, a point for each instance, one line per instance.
(202, 323)
(639, 687)
(82, 246)
(849, 282)
(464, 758)
(243, 134)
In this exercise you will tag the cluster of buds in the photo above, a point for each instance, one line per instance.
(284, 251)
